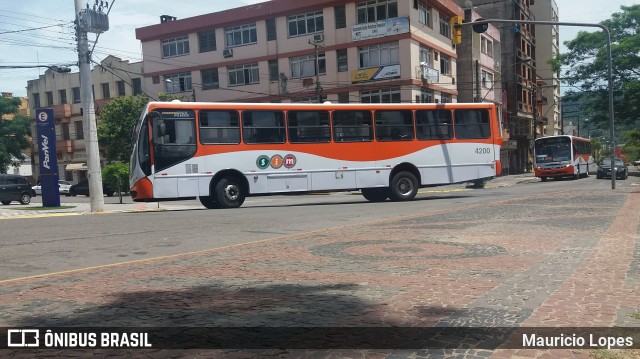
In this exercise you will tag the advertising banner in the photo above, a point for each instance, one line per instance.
(375, 73)
(371, 30)
(46, 139)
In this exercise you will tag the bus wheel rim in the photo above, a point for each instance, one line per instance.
(232, 192)
(405, 186)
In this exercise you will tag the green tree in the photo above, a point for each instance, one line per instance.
(586, 64)
(632, 145)
(116, 175)
(14, 134)
(116, 122)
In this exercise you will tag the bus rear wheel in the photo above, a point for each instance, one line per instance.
(404, 186)
(375, 194)
(229, 193)
(209, 202)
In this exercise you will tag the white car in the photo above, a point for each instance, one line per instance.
(63, 188)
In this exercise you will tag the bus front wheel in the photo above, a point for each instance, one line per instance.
(404, 186)
(229, 193)
(375, 194)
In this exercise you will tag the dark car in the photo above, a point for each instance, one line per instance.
(82, 188)
(15, 188)
(620, 168)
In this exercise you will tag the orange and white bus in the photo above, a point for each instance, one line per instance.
(562, 156)
(224, 152)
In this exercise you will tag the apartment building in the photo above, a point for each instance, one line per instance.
(305, 51)
(548, 47)
(113, 77)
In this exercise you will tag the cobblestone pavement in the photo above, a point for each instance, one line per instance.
(564, 259)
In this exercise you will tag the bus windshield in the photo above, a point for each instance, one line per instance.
(553, 150)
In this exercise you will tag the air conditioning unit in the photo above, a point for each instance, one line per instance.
(318, 38)
(226, 53)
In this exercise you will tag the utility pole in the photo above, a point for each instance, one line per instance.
(317, 43)
(90, 20)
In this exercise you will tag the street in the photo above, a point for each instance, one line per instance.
(561, 253)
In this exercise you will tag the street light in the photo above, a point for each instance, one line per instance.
(317, 42)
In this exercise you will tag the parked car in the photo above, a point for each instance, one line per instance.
(82, 188)
(620, 169)
(15, 188)
(63, 187)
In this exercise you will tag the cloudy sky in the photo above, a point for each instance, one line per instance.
(54, 43)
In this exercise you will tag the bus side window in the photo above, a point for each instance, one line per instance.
(263, 127)
(352, 126)
(472, 124)
(394, 125)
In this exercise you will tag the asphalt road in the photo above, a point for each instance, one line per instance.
(53, 244)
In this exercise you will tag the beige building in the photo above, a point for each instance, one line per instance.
(548, 47)
(364, 51)
(61, 92)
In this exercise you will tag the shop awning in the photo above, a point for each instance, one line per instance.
(77, 167)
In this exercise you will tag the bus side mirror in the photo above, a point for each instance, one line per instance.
(159, 129)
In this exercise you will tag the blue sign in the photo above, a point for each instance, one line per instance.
(47, 154)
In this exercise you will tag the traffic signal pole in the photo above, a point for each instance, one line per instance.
(481, 26)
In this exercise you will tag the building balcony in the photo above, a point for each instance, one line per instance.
(62, 111)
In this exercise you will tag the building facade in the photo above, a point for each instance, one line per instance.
(306, 51)
(113, 77)
(517, 74)
(548, 47)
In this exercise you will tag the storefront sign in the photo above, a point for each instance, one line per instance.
(371, 30)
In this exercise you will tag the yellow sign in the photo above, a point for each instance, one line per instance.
(363, 75)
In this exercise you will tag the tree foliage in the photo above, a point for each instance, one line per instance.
(587, 67)
(116, 175)
(115, 124)
(632, 144)
(14, 134)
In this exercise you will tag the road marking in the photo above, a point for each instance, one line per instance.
(42, 215)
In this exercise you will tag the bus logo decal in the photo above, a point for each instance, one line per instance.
(263, 162)
(289, 161)
(276, 161)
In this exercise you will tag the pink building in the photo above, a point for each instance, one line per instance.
(299, 51)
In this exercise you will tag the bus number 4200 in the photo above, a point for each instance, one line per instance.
(483, 150)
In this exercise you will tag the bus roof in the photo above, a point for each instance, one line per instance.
(574, 138)
(319, 106)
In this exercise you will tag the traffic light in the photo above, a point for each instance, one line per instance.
(456, 30)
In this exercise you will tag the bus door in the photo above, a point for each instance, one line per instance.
(174, 145)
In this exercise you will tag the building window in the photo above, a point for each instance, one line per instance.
(243, 74)
(210, 79)
(207, 40)
(379, 55)
(177, 46)
(343, 97)
(75, 93)
(273, 70)
(105, 90)
(341, 16)
(445, 97)
(49, 98)
(308, 23)
(63, 96)
(445, 26)
(343, 64)
(120, 86)
(380, 96)
(426, 56)
(313, 99)
(445, 64)
(374, 10)
(487, 79)
(79, 130)
(36, 100)
(241, 35)
(271, 29)
(425, 14)
(303, 66)
(426, 96)
(137, 86)
(178, 82)
(486, 46)
(65, 131)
